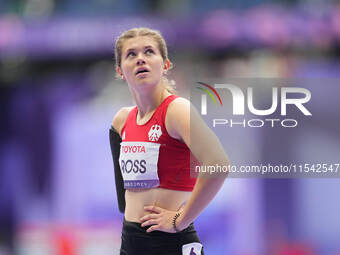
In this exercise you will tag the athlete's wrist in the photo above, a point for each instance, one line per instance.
(175, 223)
(180, 222)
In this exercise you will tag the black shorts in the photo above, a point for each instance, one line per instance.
(136, 241)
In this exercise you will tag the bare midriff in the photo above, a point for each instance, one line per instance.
(168, 199)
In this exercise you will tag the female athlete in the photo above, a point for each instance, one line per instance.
(161, 198)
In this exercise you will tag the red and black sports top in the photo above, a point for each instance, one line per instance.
(150, 157)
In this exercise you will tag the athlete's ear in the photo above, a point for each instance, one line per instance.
(119, 71)
(167, 66)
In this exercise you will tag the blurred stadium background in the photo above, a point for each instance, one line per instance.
(59, 94)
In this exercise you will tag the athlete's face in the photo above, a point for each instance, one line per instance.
(142, 62)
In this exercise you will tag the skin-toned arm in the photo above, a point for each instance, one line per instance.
(207, 149)
(120, 118)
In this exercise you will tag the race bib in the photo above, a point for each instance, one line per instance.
(192, 249)
(138, 163)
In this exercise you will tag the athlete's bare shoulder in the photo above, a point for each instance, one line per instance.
(177, 118)
(179, 108)
(120, 118)
(177, 104)
(181, 101)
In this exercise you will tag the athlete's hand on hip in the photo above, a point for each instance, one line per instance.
(160, 219)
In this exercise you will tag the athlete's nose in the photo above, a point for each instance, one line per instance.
(140, 60)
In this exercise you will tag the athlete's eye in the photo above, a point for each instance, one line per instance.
(130, 54)
(149, 51)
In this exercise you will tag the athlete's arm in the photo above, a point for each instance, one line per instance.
(120, 118)
(115, 140)
(206, 148)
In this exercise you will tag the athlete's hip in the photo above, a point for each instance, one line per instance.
(135, 240)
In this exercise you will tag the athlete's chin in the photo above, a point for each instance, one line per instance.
(146, 83)
(144, 80)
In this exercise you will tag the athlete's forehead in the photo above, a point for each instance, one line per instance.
(139, 42)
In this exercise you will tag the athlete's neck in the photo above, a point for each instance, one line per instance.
(147, 101)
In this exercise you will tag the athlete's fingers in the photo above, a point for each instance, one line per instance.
(153, 208)
(150, 222)
(149, 217)
(153, 228)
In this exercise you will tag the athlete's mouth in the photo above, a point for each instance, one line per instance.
(142, 70)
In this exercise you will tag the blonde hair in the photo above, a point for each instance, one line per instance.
(143, 31)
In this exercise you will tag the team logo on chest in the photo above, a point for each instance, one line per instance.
(155, 132)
